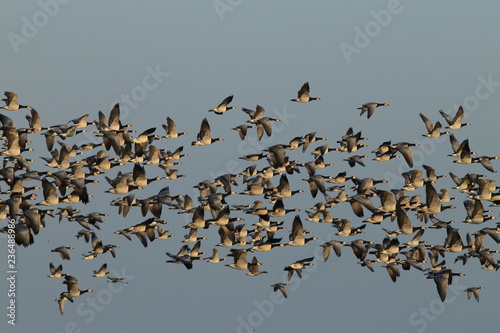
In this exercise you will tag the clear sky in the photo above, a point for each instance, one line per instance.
(180, 59)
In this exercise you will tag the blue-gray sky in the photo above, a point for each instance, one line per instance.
(71, 58)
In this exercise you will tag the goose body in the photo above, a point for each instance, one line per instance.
(223, 106)
(303, 95)
(369, 108)
(204, 136)
(11, 102)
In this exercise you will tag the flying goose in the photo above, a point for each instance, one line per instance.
(303, 95)
(171, 174)
(112, 279)
(171, 129)
(56, 272)
(328, 246)
(359, 201)
(255, 186)
(49, 194)
(434, 129)
(64, 296)
(72, 284)
(486, 162)
(443, 279)
(378, 217)
(223, 106)
(139, 177)
(294, 143)
(413, 180)
(49, 139)
(264, 125)
(81, 121)
(297, 235)
(280, 287)
(195, 251)
(243, 129)
(120, 185)
(283, 189)
(253, 268)
(24, 235)
(34, 122)
(12, 103)
(458, 146)
(456, 121)
(370, 108)
(322, 150)
(204, 137)
(405, 149)
(192, 236)
(344, 228)
(298, 266)
(310, 138)
(146, 136)
(352, 160)
(240, 261)
(256, 114)
(431, 173)
(416, 239)
(404, 222)
(359, 248)
(101, 271)
(279, 210)
(317, 183)
(475, 212)
(473, 291)
(386, 156)
(215, 258)
(492, 232)
(186, 260)
(114, 123)
(266, 245)
(349, 142)
(13, 145)
(433, 204)
(393, 270)
(464, 153)
(387, 201)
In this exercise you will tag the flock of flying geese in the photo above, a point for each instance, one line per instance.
(72, 168)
